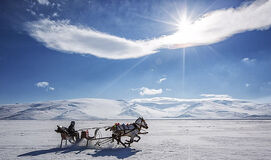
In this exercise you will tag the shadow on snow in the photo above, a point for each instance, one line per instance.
(119, 153)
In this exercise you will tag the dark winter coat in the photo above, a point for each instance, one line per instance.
(71, 129)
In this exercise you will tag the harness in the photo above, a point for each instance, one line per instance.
(126, 131)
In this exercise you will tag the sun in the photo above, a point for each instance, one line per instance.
(184, 24)
(184, 35)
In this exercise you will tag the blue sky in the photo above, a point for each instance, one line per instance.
(52, 50)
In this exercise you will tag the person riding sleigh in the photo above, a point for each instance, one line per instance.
(71, 130)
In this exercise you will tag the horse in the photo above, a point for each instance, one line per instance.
(65, 135)
(130, 130)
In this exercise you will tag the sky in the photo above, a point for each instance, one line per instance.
(126, 49)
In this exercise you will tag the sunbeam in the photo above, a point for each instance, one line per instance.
(121, 76)
(183, 73)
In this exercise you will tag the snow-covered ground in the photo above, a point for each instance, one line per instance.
(157, 107)
(167, 139)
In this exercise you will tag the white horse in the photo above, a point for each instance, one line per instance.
(130, 130)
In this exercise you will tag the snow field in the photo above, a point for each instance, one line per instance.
(167, 139)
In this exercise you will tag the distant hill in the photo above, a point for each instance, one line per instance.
(158, 107)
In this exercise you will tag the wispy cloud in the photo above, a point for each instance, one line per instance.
(161, 80)
(63, 36)
(51, 88)
(247, 84)
(212, 27)
(223, 96)
(42, 84)
(248, 60)
(32, 12)
(218, 25)
(45, 85)
(43, 2)
(55, 14)
(147, 91)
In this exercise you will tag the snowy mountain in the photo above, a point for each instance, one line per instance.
(158, 107)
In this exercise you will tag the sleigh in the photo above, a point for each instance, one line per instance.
(115, 133)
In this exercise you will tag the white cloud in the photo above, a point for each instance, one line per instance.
(147, 91)
(218, 25)
(161, 80)
(42, 84)
(51, 88)
(247, 84)
(248, 60)
(31, 11)
(63, 36)
(43, 2)
(212, 27)
(223, 96)
(45, 85)
(55, 14)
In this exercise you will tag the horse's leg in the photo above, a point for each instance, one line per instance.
(138, 138)
(130, 141)
(66, 142)
(119, 141)
(132, 135)
(112, 138)
(61, 143)
(87, 142)
(115, 137)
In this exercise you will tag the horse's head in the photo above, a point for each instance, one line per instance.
(60, 129)
(141, 122)
(64, 134)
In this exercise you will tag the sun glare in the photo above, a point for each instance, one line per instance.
(184, 24)
(185, 33)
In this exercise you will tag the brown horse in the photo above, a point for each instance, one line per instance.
(65, 135)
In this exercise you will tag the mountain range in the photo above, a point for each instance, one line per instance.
(151, 108)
